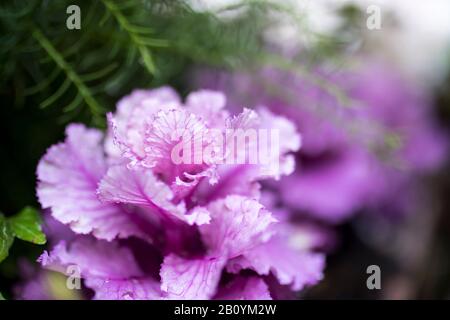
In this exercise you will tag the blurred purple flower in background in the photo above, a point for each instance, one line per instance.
(365, 154)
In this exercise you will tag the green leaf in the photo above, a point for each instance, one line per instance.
(1, 297)
(26, 225)
(6, 238)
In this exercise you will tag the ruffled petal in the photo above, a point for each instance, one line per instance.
(129, 289)
(258, 146)
(233, 179)
(198, 216)
(169, 131)
(68, 176)
(237, 225)
(94, 258)
(139, 186)
(289, 141)
(247, 119)
(133, 112)
(108, 268)
(193, 279)
(55, 230)
(274, 148)
(209, 105)
(296, 268)
(244, 288)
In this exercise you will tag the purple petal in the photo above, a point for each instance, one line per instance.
(244, 288)
(237, 225)
(108, 268)
(94, 258)
(68, 176)
(296, 268)
(209, 105)
(194, 279)
(128, 289)
(133, 112)
(234, 179)
(139, 186)
(289, 142)
(167, 130)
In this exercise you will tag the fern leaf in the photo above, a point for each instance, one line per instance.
(134, 33)
(74, 104)
(99, 74)
(94, 106)
(55, 96)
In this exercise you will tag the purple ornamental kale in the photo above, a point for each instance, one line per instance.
(146, 227)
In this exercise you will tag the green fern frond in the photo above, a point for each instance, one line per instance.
(74, 78)
(100, 73)
(135, 34)
(57, 94)
(43, 84)
(151, 42)
(74, 104)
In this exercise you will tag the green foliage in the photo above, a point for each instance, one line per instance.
(1, 297)
(26, 225)
(6, 238)
(121, 45)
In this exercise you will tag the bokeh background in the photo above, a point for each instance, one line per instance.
(373, 107)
